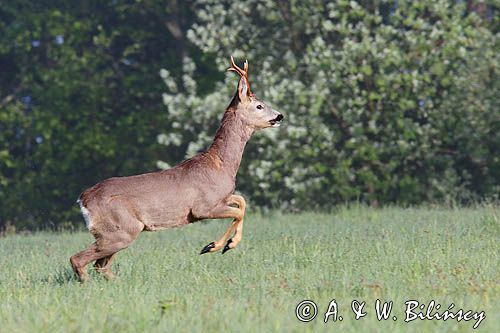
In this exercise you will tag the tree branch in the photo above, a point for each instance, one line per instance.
(9, 98)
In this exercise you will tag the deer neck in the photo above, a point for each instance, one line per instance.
(229, 142)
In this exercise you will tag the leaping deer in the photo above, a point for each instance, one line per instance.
(118, 209)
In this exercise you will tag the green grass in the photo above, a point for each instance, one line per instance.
(163, 285)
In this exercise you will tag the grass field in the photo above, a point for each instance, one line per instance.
(356, 253)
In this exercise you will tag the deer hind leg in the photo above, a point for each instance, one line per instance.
(107, 244)
(101, 251)
(80, 260)
(102, 266)
(225, 211)
(96, 252)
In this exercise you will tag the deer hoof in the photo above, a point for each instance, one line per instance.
(207, 248)
(227, 246)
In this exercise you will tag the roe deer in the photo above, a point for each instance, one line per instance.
(118, 209)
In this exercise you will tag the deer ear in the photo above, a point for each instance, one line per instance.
(243, 89)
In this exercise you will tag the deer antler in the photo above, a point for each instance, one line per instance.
(242, 72)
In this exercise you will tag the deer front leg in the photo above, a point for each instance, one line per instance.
(225, 211)
(238, 225)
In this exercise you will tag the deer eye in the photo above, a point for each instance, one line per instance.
(259, 107)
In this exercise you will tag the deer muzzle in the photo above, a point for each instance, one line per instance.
(276, 121)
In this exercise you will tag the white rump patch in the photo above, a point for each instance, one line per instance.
(86, 215)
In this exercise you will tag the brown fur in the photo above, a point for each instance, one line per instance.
(199, 188)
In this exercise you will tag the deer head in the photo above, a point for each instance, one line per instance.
(252, 111)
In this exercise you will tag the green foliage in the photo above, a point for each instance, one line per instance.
(80, 99)
(163, 285)
(382, 102)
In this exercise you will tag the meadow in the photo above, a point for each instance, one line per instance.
(353, 253)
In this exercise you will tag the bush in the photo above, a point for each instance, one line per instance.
(382, 103)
